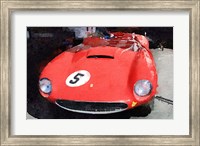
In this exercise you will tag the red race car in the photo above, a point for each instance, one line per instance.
(102, 76)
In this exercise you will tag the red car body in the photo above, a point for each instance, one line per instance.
(99, 75)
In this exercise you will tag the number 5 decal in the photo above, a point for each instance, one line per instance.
(78, 78)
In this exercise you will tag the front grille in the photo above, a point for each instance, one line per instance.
(91, 107)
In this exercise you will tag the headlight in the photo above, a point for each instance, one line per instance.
(45, 85)
(142, 87)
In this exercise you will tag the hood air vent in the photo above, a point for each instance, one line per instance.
(101, 56)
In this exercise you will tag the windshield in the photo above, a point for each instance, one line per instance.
(121, 40)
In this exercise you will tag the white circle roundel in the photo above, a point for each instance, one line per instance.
(78, 78)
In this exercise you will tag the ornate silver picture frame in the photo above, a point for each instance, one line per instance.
(8, 7)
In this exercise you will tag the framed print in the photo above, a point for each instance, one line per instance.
(35, 32)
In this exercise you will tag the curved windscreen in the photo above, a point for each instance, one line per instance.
(121, 40)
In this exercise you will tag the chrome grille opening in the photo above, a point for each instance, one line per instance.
(92, 107)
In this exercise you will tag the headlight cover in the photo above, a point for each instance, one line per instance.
(142, 87)
(45, 85)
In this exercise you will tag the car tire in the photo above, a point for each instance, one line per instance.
(143, 110)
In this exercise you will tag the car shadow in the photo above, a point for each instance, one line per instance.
(40, 108)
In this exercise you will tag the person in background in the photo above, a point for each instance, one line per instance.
(104, 32)
(81, 33)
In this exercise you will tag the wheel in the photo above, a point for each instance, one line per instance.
(143, 110)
